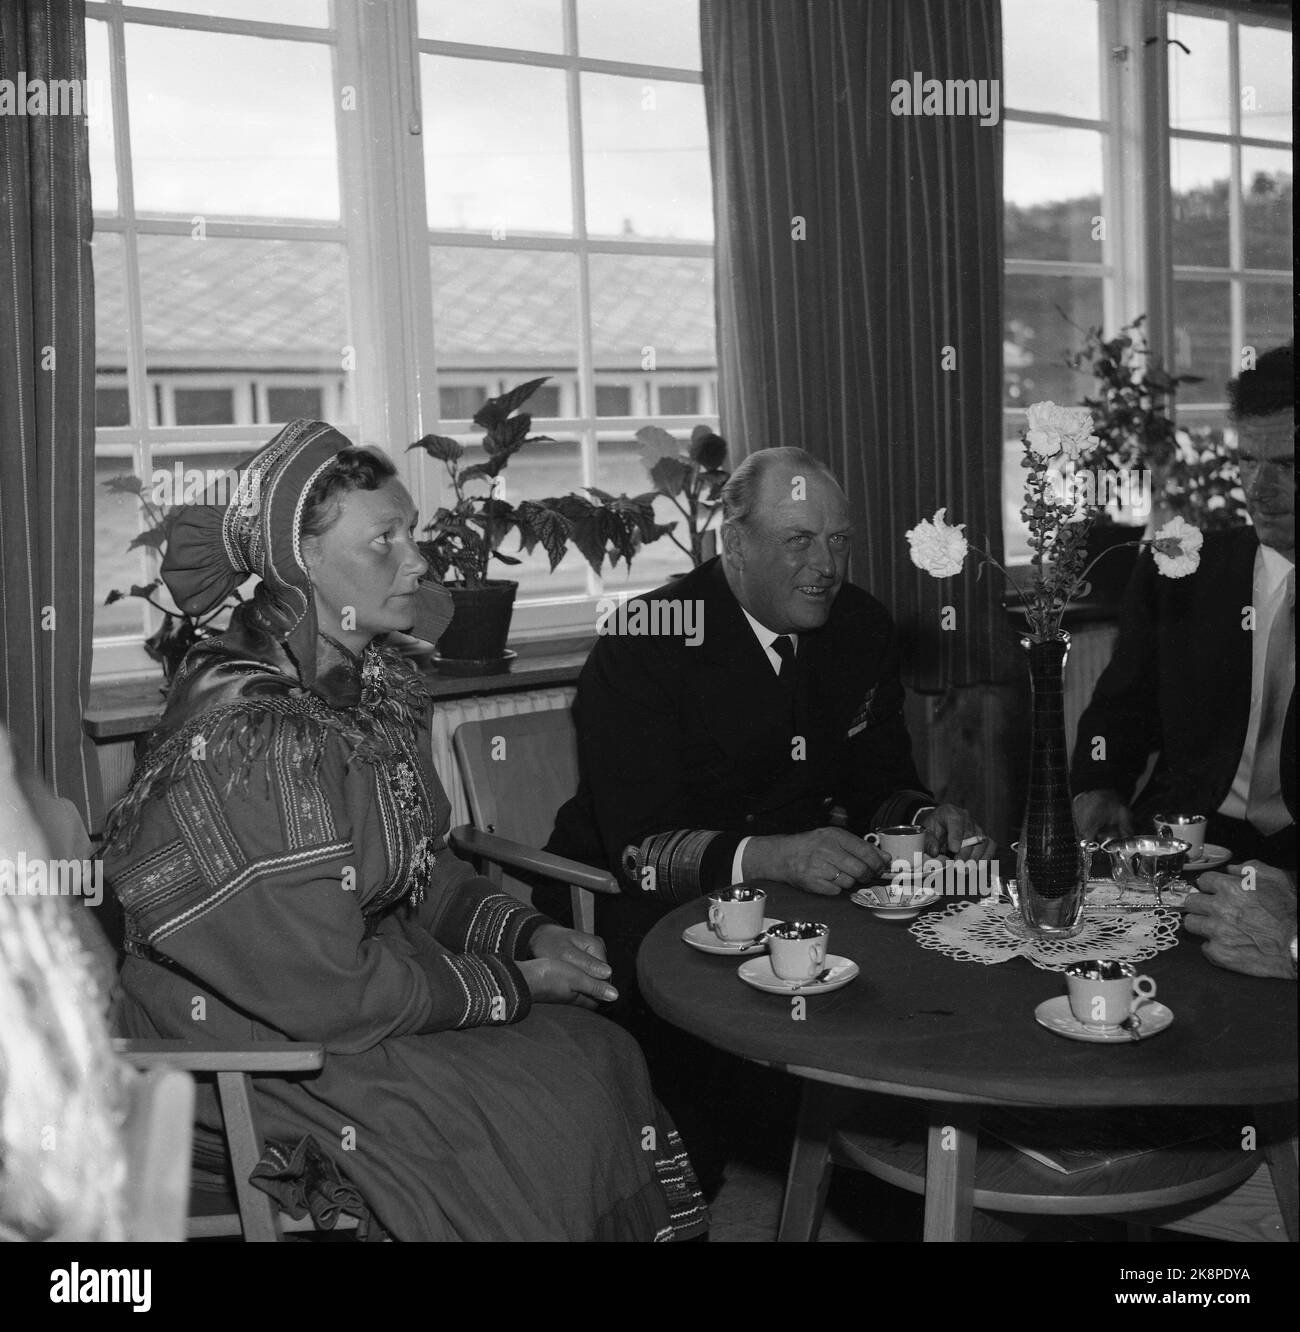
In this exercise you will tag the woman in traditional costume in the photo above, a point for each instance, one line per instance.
(282, 861)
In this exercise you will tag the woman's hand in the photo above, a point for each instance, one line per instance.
(570, 967)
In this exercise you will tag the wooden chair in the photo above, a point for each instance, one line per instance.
(517, 772)
(256, 1219)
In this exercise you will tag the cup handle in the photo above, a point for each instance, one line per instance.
(873, 839)
(1144, 990)
(1165, 829)
(817, 953)
(715, 915)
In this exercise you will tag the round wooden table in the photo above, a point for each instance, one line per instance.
(954, 1035)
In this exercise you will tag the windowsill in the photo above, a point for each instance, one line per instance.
(127, 708)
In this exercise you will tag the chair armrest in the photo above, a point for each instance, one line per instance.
(255, 1057)
(501, 850)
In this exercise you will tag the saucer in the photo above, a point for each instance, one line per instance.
(758, 973)
(1055, 1015)
(1210, 857)
(701, 937)
(907, 906)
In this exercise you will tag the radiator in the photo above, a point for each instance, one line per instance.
(449, 715)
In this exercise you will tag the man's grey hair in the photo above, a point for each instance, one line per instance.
(740, 494)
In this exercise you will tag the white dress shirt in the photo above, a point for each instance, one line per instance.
(765, 638)
(1267, 597)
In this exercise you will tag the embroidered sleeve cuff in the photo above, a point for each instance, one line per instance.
(491, 990)
(502, 925)
(677, 866)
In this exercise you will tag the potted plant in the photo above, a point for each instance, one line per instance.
(1188, 474)
(178, 632)
(692, 478)
(467, 534)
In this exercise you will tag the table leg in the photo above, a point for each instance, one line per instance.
(1280, 1153)
(950, 1172)
(821, 1109)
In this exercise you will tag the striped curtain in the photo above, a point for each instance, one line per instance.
(47, 384)
(859, 262)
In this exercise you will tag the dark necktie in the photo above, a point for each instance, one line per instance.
(784, 648)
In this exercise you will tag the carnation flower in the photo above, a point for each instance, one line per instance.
(938, 547)
(1052, 429)
(1177, 548)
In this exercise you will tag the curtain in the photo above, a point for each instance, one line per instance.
(859, 275)
(47, 383)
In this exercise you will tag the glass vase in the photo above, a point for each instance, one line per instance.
(1052, 882)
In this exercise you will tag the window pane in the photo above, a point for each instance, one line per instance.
(99, 120)
(1050, 55)
(1199, 175)
(294, 404)
(112, 406)
(511, 314)
(1203, 339)
(666, 32)
(613, 400)
(679, 400)
(527, 25)
(1199, 90)
(1266, 82)
(110, 305)
(1046, 319)
(644, 306)
(1266, 178)
(246, 306)
(1015, 531)
(545, 401)
(1052, 192)
(646, 159)
(459, 402)
(234, 126)
(1270, 315)
(311, 13)
(204, 406)
(496, 147)
(117, 523)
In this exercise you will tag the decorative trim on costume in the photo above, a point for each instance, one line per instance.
(497, 925)
(494, 989)
(687, 1213)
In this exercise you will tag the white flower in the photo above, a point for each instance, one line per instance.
(1177, 548)
(938, 547)
(1052, 429)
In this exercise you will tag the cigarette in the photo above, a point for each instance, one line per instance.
(971, 841)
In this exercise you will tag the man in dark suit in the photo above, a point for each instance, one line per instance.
(1204, 667)
(722, 755)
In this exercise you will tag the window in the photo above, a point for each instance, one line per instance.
(1083, 241)
(285, 228)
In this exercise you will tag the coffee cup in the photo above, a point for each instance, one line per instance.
(904, 844)
(1103, 994)
(736, 913)
(1189, 828)
(797, 949)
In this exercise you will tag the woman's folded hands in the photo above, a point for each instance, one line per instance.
(568, 967)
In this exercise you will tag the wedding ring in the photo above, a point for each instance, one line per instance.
(971, 841)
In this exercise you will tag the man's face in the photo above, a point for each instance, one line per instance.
(367, 563)
(787, 562)
(1266, 456)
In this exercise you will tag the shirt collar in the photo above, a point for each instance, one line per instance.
(1276, 566)
(766, 637)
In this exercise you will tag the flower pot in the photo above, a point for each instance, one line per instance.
(480, 625)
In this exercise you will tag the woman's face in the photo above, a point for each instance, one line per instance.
(365, 566)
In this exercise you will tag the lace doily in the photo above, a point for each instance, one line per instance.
(988, 931)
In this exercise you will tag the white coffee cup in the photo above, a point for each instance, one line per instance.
(1103, 994)
(736, 913)
(903, 842)
(1189, 828)
(798, 949)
